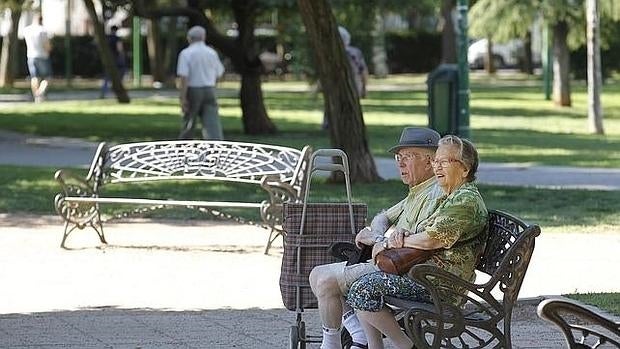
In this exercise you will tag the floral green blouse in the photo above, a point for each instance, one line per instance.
(459, 221)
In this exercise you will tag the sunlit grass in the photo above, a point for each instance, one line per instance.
(607, 301)
(510, 120)
(32, 189)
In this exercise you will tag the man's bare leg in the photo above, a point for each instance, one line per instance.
(42, 88)
(324, 281)
(324, 284)
(34, 87)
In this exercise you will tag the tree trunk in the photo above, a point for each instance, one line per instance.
(106, 55)
(448, 36)
(155, 52)
(251, 96)
(170, 55)
(489, 60)
(254, 118)
(379, 55)
(561, 65)
(528, 62)
(9, 50)
(346, 124)
(595, 113)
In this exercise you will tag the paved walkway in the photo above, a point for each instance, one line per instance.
(171, 284)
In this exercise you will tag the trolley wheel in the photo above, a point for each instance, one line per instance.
(302, 335)
(293, 337)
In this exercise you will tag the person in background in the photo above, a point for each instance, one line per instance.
(198, 69)
(118, 54)
(38, 50)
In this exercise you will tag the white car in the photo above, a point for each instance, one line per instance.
(504, 54)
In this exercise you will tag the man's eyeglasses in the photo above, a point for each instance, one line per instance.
(405, 157)
(444, 162)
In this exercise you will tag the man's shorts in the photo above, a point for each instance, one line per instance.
(350, 273)
(39, 67)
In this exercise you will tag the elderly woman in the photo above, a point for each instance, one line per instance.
(456, 229)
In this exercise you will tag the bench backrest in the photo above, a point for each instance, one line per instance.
(179, 160)
(507, 254)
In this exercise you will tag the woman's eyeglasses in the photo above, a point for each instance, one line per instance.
(445, 162)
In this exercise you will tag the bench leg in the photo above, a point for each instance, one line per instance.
(272, 238)
(96, 224)
(66, 233)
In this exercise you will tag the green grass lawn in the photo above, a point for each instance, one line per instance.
(607, 301)
(31, 190)
(510, 121)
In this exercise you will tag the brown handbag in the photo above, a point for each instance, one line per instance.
(399, 260)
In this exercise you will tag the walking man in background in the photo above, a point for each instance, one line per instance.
(198, 69)
(38, 52)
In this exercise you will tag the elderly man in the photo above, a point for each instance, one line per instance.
(198, 69)
(331, 282)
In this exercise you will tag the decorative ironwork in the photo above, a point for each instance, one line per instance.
(230, 161)
(477, 324)
(281, 171)
(582, 328)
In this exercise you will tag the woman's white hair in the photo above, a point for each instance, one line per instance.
(467, 153)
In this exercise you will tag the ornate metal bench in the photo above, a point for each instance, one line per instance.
(479, 323)
(281, 171)
(582, 328)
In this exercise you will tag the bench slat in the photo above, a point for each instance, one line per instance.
(163, 202)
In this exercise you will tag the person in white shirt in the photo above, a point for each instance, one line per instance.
(198, 69)
(38, 53)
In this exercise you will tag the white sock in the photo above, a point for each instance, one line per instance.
(331, 338)
(352, 324)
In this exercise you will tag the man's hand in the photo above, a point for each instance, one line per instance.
(365, 237)
(397, 238)
(376, 249)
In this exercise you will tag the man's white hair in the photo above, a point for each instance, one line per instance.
(196, 33)
(344, 35)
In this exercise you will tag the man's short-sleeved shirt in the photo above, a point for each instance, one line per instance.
(200, 64)
(36, 40)
(417, 206)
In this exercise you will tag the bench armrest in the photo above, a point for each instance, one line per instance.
(279, 193)
(480, 303)
(73, 185)
(579, 324)
(442, 318)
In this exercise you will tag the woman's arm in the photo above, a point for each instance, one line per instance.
(422, 241)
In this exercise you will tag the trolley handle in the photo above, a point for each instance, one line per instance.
(314, 166)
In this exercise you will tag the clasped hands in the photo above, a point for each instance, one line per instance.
(395, 239)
